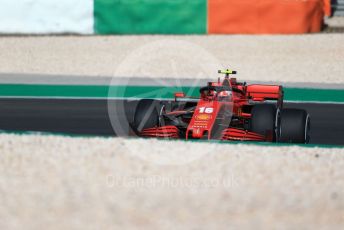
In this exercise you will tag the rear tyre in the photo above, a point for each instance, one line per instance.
(295, 126)
(263, 119)
(146, 115)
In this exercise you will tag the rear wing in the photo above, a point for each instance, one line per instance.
(265, 92)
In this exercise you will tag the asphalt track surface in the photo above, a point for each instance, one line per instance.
(92, 117)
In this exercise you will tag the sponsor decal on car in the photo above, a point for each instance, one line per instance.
(203, 117)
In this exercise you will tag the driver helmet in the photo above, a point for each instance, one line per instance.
(209, 94)
(224, 95)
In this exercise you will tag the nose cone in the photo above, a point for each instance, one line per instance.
(203, 119)
(197, 133)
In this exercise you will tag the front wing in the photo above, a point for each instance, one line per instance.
(231, 134)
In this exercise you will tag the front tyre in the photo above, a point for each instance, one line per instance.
(146, 115)
(295, 126)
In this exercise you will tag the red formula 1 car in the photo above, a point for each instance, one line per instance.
(227, 110)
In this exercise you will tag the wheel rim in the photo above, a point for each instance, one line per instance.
(277, 124)
(160, 114)
(307, 129)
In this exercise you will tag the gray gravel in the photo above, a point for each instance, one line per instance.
(94, 183)
(335, 22)
(309, 58)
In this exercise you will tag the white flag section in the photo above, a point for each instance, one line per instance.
(46, 16)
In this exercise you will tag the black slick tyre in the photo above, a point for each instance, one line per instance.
(146, 115)
(295, 126)
(263, 119)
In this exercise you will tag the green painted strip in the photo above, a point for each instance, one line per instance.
(297, 94)
(150, 17)
(81, 91)
(88, 91)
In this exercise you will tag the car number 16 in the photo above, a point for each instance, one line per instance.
(206, 110)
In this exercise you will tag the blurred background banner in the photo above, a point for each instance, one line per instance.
(164, 16)
(266, 16)
(338, 7)
(150, 16)
(46, 16)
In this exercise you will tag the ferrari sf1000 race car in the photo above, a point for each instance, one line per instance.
(227, 110)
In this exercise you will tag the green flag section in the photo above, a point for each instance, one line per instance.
(150, 16)
(136, 92)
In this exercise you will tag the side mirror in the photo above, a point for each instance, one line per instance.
(179, 94)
